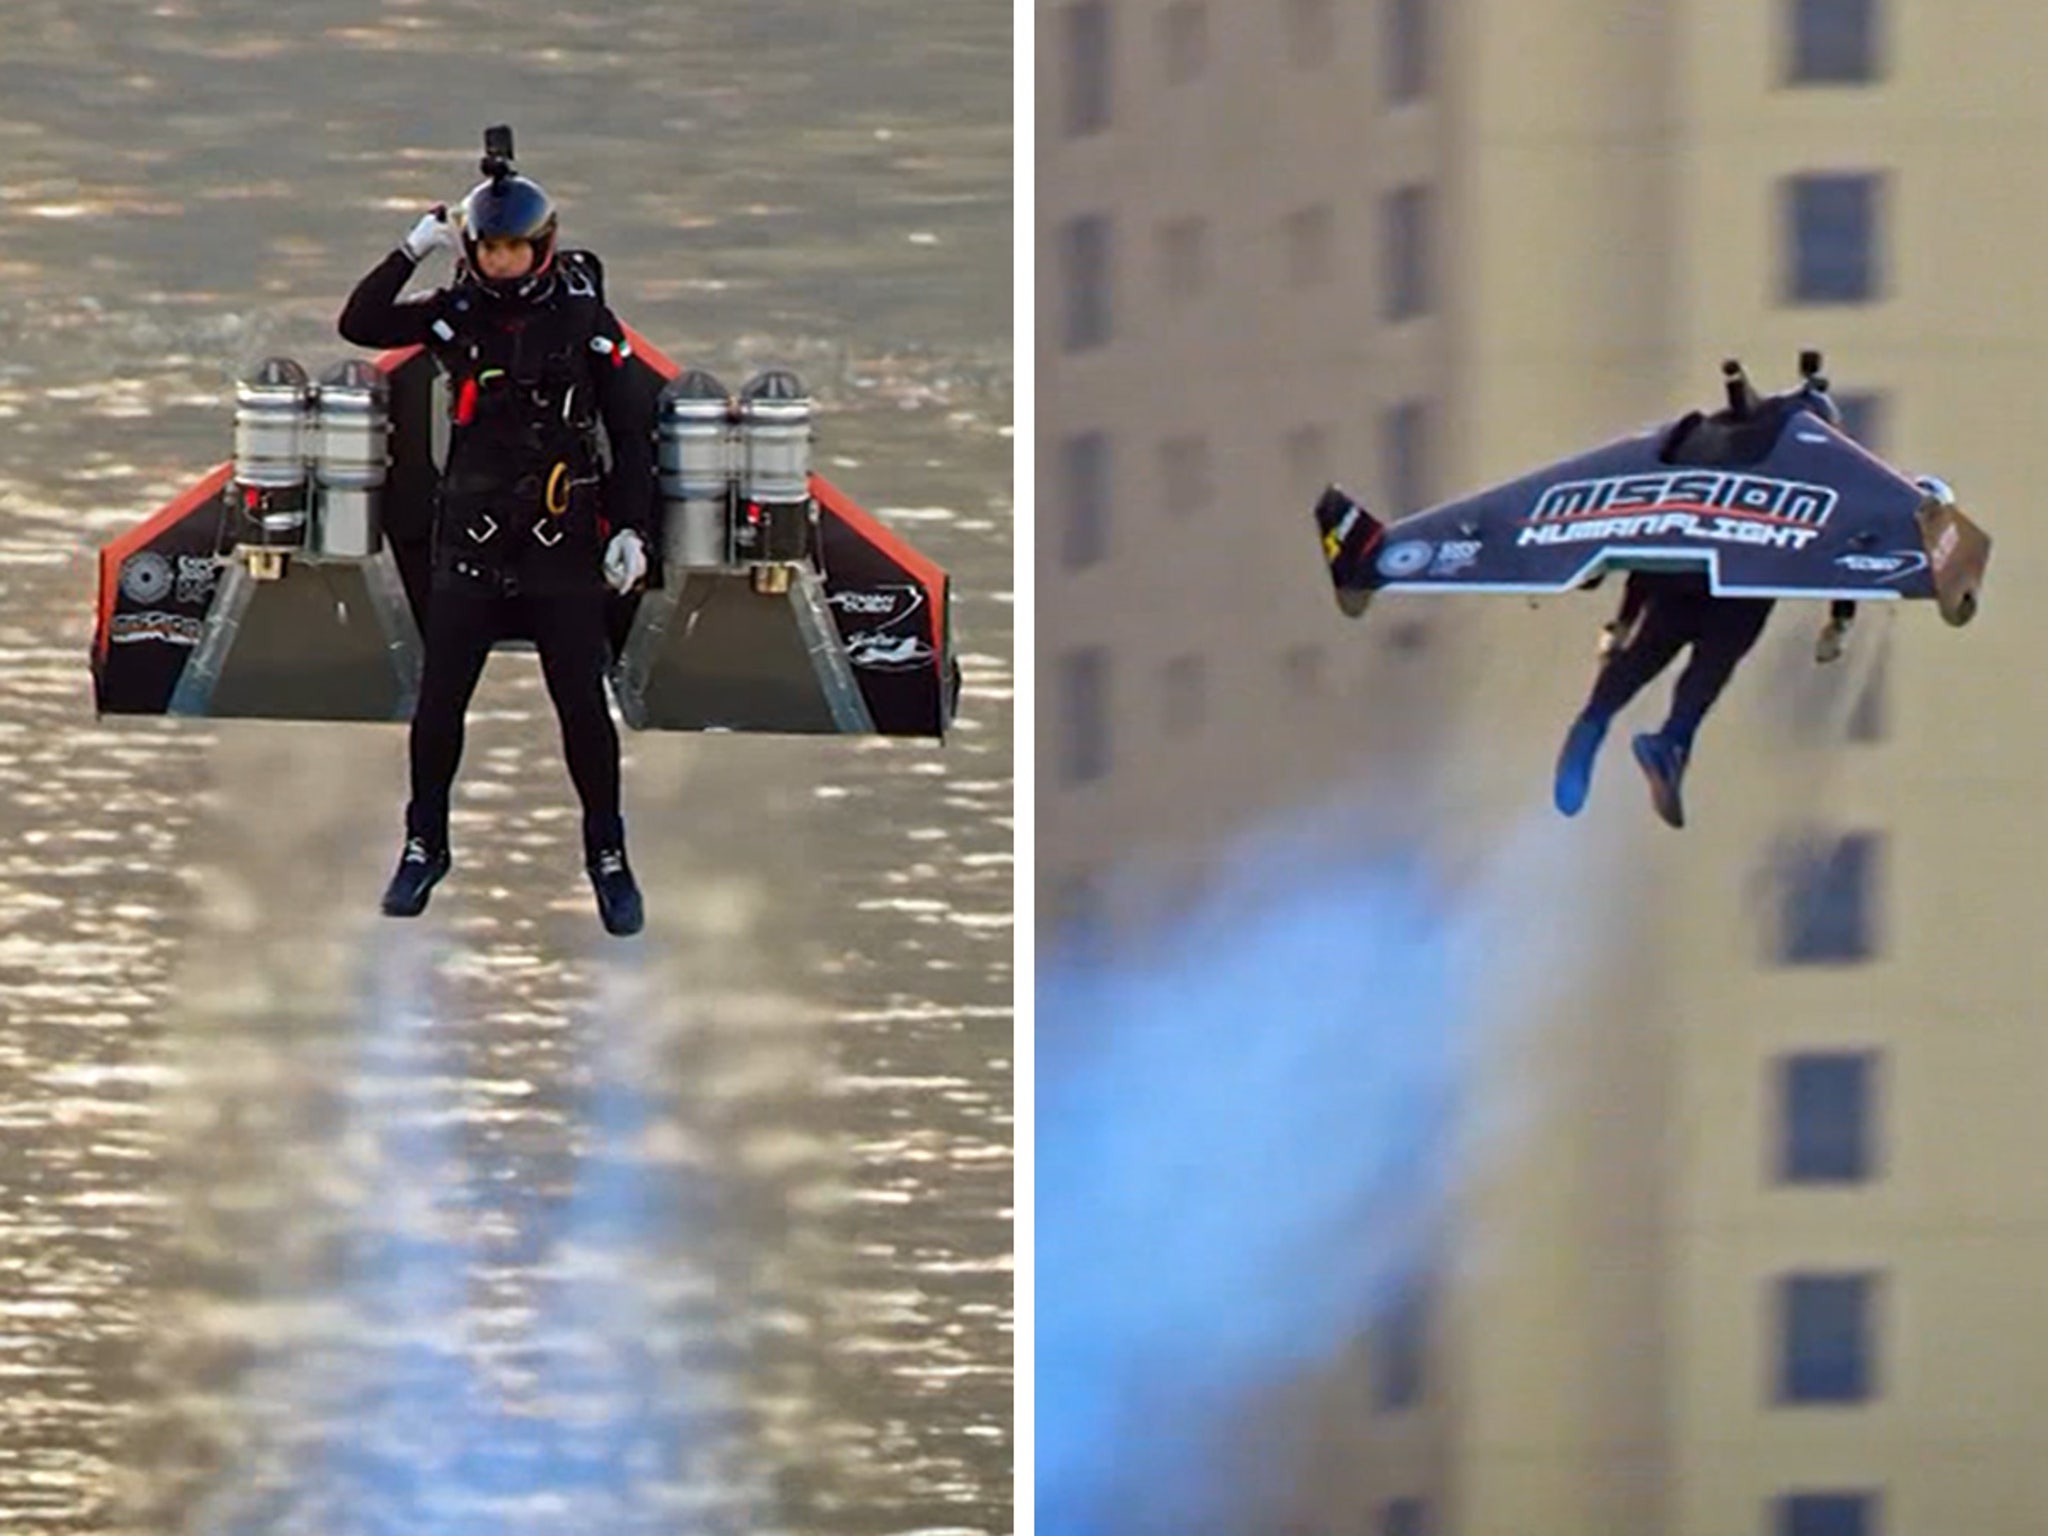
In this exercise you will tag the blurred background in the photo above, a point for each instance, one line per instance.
(310, 1221)
(1421, 1162)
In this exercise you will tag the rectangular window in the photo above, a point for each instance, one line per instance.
(1827, 1514)
(1398, 1347)
(1085, 273)
(1307, 451)
(1186, 474)
(1311, 32)
(1184, 257)
(1827, 1117)
(1827, 1343)
(1831, 42)
(1084, 714)
(1085, 499)
(1183, 691)
(1829, 914)
(1403, 1517)
(1184, 40)
(1311, 241)
(1864, 417)
(1407, 50)
(1834, 239)
(1405, 236)
(1086, 24)
(1405, 455)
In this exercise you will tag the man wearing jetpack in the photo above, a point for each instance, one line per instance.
(529, 528)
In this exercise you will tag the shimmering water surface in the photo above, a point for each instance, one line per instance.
(311, 1221)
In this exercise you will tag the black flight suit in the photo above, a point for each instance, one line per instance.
(1662, 612)
(524, 511)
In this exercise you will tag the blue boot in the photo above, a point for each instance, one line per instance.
(1663, 763)
(1575, 764)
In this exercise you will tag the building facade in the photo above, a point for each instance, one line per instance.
(1770, 1261)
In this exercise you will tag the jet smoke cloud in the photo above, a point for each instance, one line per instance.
(1243, 1144)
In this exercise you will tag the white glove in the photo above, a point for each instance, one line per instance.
(625, 561)
(433, 233)
(1610, 640)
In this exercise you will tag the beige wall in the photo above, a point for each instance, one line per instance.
(1608, 182)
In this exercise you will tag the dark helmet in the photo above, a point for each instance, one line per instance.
(510, 208)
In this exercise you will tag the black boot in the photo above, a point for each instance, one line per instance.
(420, 869)
(618, 896)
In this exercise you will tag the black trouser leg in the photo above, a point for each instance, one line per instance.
(461, 627)
(569, 631)
(1662, 632)
(1728, 628)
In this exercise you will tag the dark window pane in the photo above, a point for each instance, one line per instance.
(1085, 498)
(1826, 1116)
(1184, 695)
(1311, 32)
(1826, 1342)
(1403, 1517)
(1186, 473)
(1398, 1347)
(1405, 215)
(1828, 1514)
(1405, 453)
(1864, 417)
(1084, 265)
(1830, 901)
(1184, 39)
(1833, 41)
(1833, 238)
(1407, 49)
(1084, 714)
(1088, 66)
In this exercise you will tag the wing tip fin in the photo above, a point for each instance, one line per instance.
(1349, 535)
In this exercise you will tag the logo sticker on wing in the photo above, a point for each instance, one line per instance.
(1408, 558)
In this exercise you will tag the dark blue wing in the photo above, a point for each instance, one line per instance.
(1815, 516)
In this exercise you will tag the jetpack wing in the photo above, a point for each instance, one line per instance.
(293, 581)
(1805, 512)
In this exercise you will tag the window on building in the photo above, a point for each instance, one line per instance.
(1827, 1117)
(1831, 42)
(1307, 452)
(1827, 1344)
(1829, 911)
(1184, 695)
(1086, 25)
(1834, 238)
(1397, 1347)
(1407, 50)
(1184, 257)
(1184, 40)
(1403, 1517)
(1311, 241)
(1311, 32)
(1306, 668)
(1869, 718)
(1405, 236)
(1079, 918)
(1085, 499)
(1085, 245)
(1827, 1514)
(1187, 476)
(1405, 454)
(1084, 714)
(1865, 417)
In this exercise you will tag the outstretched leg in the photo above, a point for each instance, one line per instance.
(569, 631)
(461, 627)
(1726, 630)
(1658, 638)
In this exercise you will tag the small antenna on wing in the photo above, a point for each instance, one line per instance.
(1741, 398)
